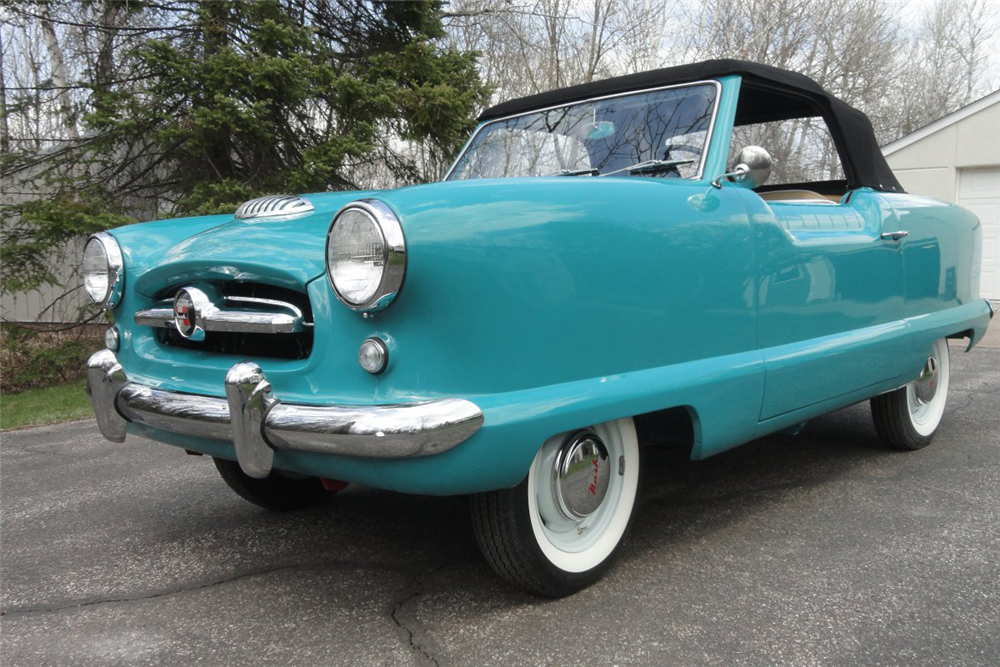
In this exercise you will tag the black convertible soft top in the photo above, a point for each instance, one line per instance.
(767, 94)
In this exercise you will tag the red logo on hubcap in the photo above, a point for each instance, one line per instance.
(597, 470)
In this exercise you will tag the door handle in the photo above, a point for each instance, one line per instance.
(894, 236)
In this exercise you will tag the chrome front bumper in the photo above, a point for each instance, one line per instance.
(258, 424)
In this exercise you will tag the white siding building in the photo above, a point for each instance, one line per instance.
(957, 159)
(49, 303)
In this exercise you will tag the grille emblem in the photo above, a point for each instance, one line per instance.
(185, 314)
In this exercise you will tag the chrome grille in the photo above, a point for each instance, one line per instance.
(246, 319)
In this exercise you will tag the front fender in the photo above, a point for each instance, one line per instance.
(513, 284)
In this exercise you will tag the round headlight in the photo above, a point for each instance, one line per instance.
(103, 270)
(366, 255)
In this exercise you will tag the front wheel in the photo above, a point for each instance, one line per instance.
(558, 531)
(908, 417)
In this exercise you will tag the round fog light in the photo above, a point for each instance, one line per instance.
(373, 355)
(112, 339)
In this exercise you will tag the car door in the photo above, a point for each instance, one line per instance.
(829, 297)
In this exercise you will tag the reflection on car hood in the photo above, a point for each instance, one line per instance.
(285, 251)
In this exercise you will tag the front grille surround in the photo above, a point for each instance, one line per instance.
(238, 297)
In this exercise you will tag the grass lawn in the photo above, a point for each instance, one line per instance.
(35, 407)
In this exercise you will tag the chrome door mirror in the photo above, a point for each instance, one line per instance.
(758, 162)
(753, 164)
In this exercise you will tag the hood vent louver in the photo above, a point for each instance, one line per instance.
(273, 206)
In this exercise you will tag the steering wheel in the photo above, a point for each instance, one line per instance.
(683, 148)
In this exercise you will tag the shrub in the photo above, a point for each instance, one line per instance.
(32, 358)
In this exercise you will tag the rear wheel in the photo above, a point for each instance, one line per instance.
(908, 417)
(559, 530)
(280, 492)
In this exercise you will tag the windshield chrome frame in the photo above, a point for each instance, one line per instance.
(638, 91)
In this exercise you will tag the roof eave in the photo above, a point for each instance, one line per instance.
(941, 123)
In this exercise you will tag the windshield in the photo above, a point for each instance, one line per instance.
(660, 133)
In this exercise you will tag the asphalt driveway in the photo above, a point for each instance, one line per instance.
(818, 549)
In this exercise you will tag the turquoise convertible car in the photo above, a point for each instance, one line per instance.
(604, 267)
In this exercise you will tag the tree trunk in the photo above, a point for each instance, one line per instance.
(4, 130)
(60, 80)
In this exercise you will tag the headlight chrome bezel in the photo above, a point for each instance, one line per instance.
(393, 255)
(115, 268)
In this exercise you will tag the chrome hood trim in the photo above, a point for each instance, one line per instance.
(273, 206)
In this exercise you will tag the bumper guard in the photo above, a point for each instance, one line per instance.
(257, 423)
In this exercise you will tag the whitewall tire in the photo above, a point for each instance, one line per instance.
(558, 530)
(908, 417)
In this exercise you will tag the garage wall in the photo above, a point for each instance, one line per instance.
(51, 304)
(930, 166)
(960, 162)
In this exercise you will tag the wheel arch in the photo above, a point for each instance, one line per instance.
(676, 427)
(966, 333)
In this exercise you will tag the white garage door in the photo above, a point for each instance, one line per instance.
(979, 191)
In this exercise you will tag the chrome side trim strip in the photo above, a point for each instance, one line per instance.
(258, 423)
(993, 310)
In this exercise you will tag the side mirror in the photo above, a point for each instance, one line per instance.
(759, 163)
(753, 163)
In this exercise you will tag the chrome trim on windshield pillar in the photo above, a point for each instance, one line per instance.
(258, 423)
(105, 378)
(249, 395)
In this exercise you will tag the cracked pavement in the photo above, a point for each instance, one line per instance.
(817, 549)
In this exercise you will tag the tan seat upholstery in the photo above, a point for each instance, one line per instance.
(797, 195)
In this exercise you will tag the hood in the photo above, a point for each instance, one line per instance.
(283, 251)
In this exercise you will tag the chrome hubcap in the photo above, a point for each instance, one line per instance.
(581, 475)
(581, 492)
(926, 396)
(926, 385)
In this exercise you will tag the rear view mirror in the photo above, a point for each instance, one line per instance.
(601, 129)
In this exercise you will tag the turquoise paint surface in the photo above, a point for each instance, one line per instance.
(557, 303)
